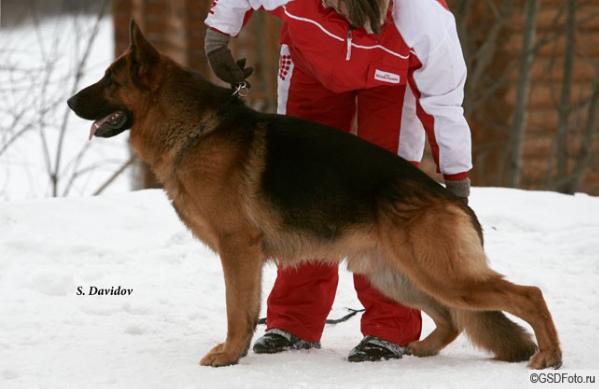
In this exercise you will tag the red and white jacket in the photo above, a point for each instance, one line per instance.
(418, 47)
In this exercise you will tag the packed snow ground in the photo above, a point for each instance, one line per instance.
(50, 337)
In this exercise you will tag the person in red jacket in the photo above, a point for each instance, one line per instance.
(394, 68)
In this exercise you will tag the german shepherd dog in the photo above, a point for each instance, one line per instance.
(256, 186)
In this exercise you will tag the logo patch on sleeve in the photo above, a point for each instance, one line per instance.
(391, 78)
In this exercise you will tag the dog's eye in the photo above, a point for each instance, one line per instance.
(109, 81)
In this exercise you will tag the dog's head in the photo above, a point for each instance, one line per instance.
(112, 102)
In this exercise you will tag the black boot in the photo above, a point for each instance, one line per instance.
(276, 341)
(372, 348)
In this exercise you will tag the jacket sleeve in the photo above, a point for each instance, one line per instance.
(229, 16)
(437, 76)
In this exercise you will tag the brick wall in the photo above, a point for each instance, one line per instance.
(176, 27)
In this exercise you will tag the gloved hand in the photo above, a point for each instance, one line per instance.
(460, 188)
(216, 46)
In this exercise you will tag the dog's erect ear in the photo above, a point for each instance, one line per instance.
(143, 56)
(142, 49)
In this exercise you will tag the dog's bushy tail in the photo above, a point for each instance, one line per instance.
(493, 331)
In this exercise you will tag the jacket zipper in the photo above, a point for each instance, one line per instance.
(340, 38)
(348, 50)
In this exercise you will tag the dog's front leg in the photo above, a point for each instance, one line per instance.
(242, 265)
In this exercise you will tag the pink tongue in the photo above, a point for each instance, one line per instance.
(93, 129)
(97, 124)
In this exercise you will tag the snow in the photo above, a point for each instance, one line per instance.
(51, 337)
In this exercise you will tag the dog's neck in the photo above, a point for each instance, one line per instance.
(161, 133)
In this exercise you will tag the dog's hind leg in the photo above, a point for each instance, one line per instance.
(441, 253)
(396, 286)
(242, 265)
(526, 302)
(444, 333)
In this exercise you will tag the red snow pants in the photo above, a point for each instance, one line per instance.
(302, 296)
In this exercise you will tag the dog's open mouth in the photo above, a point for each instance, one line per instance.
(108, 125)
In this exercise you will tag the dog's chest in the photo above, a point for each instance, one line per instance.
(192, 215)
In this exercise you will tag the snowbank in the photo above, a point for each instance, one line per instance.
(52, 337)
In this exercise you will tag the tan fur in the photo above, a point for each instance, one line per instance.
(492, 330)
(452, 269)
(424, 251)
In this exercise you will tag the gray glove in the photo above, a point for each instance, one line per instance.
(216, 46)
(460, 188)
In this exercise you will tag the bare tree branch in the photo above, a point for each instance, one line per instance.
(485, 54)
(115, 175)
(32, 98)
(78, 75)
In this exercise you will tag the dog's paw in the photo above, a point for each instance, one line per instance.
(219, 357)
(546, 359)
(421, 349)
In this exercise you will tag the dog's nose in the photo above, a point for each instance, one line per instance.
(72, 102)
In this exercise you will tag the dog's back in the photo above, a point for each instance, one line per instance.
(323, 179)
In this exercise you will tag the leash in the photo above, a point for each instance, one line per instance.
(352, 312)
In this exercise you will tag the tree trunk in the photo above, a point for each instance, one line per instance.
(565, 105)
(571, 183)
(516, 135)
